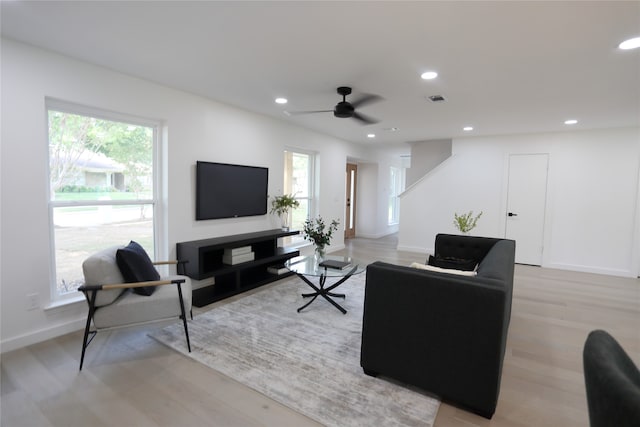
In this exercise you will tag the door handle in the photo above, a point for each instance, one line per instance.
(512, 214)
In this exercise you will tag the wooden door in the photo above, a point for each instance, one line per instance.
(350, 212)
(526, 205)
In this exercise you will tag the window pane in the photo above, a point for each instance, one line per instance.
(298, 181)
(93, 159)
(300, 214)
(300, 175)
(90, 158)
(82, 231)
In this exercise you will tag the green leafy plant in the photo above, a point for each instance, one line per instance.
(318, 232)
(281, 205)
(466, 222)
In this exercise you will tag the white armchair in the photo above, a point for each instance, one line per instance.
(123, 288)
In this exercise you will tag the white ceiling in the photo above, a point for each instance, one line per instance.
(504, 67)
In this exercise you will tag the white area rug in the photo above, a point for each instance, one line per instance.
(308, 361)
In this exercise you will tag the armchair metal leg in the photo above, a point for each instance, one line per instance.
(86, 340)
(184, 316)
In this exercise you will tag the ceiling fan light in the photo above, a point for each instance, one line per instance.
(371, 135)
(281, 100)
(467, 128)
(633, 43)
(570, 122)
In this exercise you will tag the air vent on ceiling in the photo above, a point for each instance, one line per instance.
(436, 98)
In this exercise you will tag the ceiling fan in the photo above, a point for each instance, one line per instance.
(345, 109)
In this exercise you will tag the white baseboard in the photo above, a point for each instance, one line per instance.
(415, 249)
(375, 235)
(370, 236)
(591, 269)
(42, 335)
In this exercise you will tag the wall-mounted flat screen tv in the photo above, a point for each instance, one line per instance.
(230, 191)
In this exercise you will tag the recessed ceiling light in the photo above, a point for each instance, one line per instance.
(281, 100)
(633, 43)
(570, 122)
(467, 128)
(429, 75)
(371, 135)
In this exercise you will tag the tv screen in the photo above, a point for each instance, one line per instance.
(230, 191)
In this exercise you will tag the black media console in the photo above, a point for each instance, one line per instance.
(205, 260)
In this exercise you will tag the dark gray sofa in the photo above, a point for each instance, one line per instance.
(443, 333)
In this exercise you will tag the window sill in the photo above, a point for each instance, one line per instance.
(294, 242)
(297, 244)
(53, 305)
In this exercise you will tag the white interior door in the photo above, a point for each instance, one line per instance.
(526, 205)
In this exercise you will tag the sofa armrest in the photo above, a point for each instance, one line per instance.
(440, 332)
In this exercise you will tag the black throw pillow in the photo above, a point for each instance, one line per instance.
(453, 263)
(136, 266)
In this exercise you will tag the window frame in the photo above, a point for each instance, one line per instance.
(312, 189)
(159, 239)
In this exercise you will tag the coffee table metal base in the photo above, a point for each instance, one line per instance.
(325, 292)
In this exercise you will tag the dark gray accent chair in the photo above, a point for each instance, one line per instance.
(443, 333)
(612, 381)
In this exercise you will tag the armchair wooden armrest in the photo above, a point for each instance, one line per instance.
(179, 263)
(171, 262)
(128, 285)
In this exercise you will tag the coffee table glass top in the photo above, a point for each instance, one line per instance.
(308, 266)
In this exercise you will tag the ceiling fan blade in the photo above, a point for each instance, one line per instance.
(297, 113)
(364, 119)
(366, 99)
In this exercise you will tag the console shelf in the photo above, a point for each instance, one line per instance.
(205, 260)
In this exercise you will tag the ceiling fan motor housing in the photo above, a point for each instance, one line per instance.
(343, 110)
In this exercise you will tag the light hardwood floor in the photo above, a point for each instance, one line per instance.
(130, 379)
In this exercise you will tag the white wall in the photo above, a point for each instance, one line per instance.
(194, 129)
(426, 155)
(373, 191)
(591, 222)
(367, 193)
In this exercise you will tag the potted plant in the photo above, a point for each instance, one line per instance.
(466, 222)
(281, 205)
(319, 233)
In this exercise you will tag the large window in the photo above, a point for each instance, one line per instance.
(396, 186)
(101, 170)
(299, 181)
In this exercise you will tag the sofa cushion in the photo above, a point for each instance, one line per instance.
(136, 266)
(134, 308)
(452, 263)
(101, 268)
(442, 270)
(464, 247)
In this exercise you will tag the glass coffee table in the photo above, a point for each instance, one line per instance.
(310, 266)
